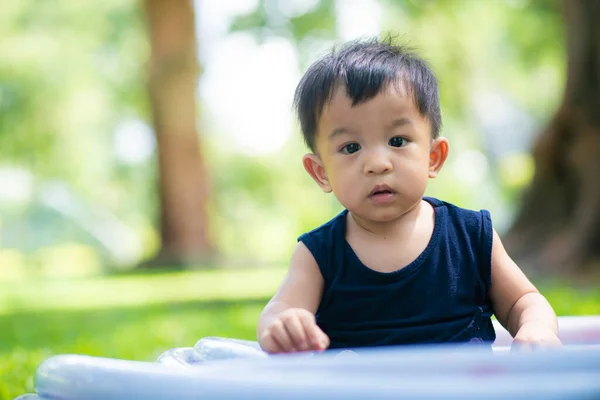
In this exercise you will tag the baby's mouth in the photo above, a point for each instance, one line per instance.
(381, 190)
(382, 195)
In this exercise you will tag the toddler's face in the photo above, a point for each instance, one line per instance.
(376, 155)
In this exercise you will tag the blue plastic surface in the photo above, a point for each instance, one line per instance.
(217, 368)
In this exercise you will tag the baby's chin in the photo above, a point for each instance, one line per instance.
(377, 216)
(383, 215)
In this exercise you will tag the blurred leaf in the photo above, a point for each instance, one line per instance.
(268, 20)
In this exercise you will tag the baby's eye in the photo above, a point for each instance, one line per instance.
(350, 148)
(397, 141)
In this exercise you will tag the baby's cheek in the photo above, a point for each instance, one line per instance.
(347, 194)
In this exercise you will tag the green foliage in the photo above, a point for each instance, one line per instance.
(57, 64)
(268, 19)
(67, 80)
(252, 195)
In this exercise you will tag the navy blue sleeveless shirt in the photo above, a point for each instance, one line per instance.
(440, 297)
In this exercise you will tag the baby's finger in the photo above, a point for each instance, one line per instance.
(554, 343)
(281, 336)
(525, 346)
(323, 339)
(269, 344)
(315, 336)
(296, 332)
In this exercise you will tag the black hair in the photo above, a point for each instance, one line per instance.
(365, 68)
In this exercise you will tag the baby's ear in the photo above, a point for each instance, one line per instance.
(437, 155)
(314, 166)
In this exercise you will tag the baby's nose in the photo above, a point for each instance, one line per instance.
(378, 163)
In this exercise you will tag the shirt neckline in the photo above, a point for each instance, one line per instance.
(414, 265)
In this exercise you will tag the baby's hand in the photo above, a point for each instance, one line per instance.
(295, 329)
(533, 336)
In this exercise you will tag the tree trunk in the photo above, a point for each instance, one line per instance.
(558, 227)
(182, 182)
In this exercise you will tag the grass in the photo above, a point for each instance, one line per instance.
(137, 290)
(129, 317)
(139, 317)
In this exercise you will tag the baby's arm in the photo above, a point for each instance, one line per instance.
(518, 305)
(287, 323)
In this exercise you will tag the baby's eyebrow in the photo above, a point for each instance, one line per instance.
(337, 132)
(397, 123)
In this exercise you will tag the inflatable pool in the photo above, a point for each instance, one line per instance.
(217, 368)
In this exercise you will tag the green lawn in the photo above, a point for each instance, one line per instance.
(138, 317)
(130, 317)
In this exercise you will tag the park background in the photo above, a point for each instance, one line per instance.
(151, 185)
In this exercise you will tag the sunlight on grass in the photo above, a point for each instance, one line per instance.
(103, 292)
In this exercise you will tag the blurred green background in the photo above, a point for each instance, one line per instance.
(80, 199)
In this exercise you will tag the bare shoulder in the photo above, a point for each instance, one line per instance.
(302, 259)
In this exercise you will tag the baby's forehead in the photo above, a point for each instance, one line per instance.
(341, 91)
(341, 96)
(380, 112)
